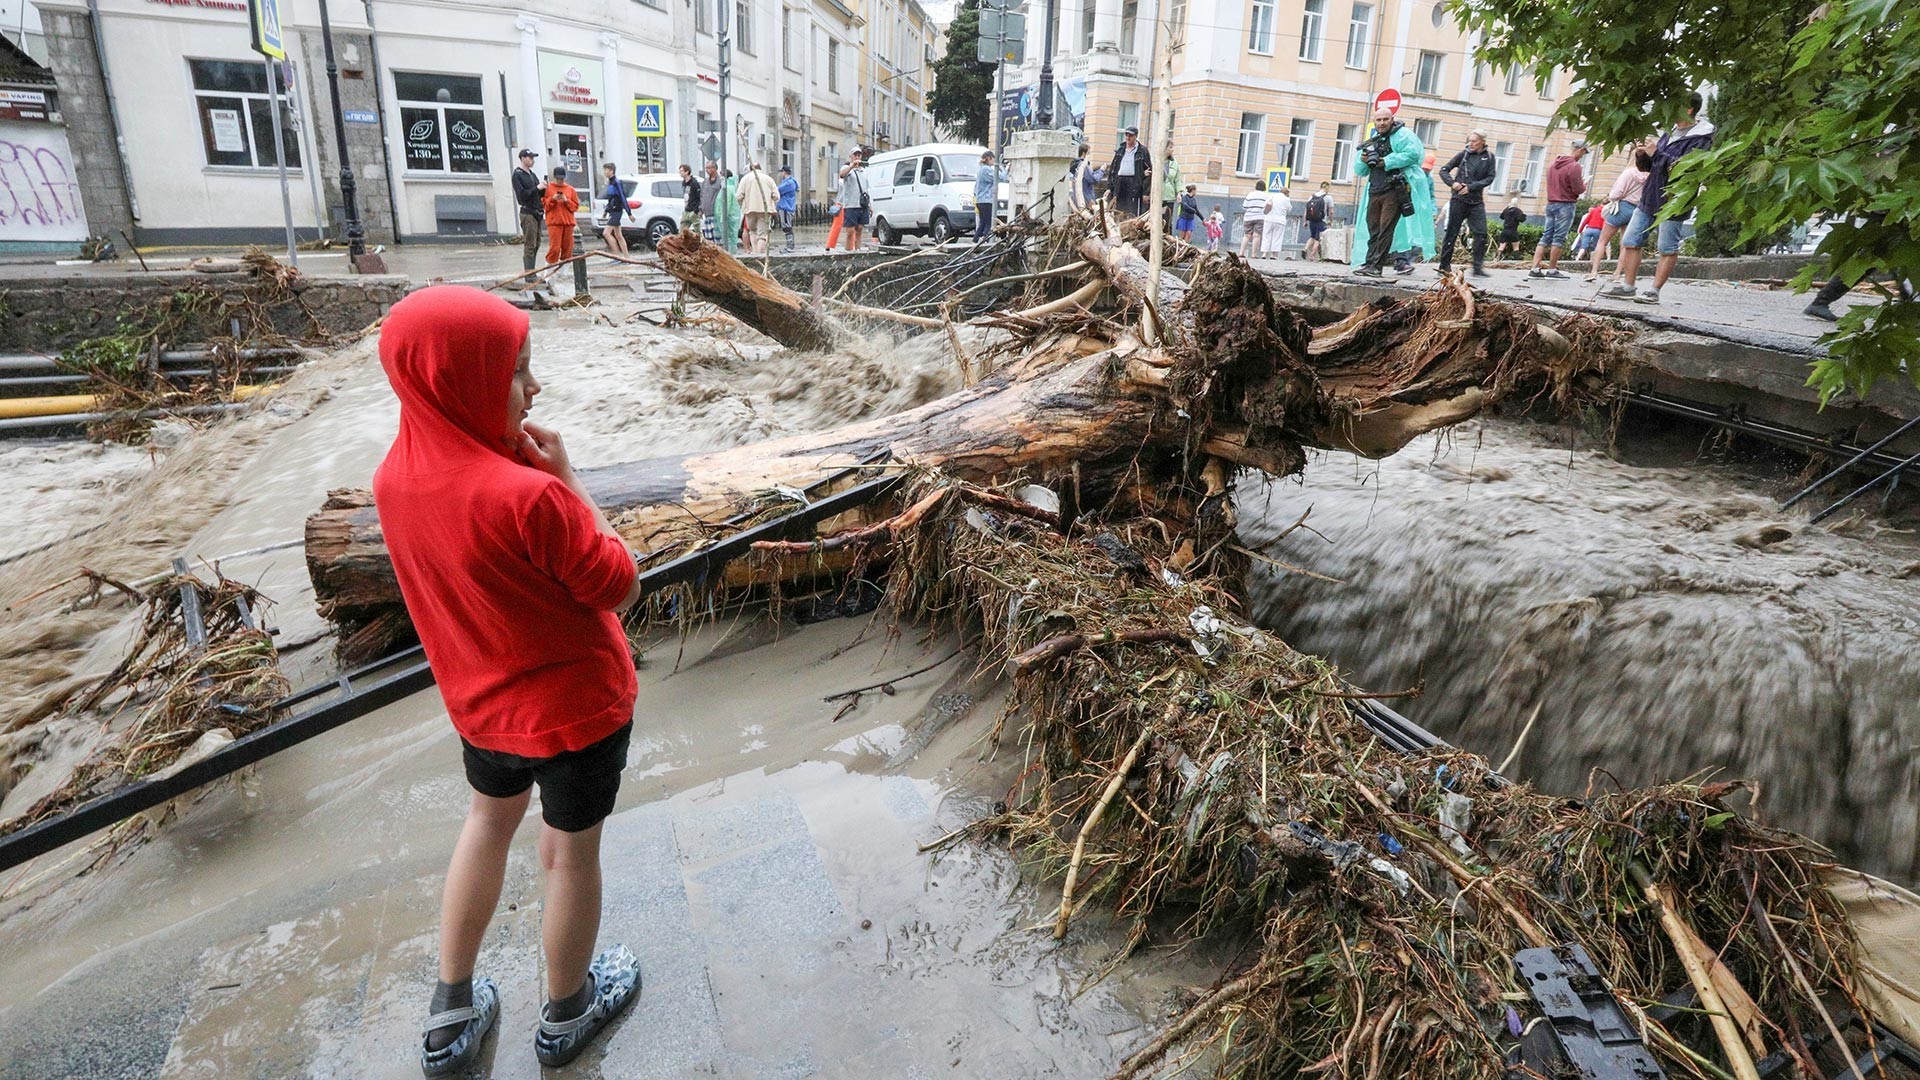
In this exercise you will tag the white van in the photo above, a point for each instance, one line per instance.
(926, 190)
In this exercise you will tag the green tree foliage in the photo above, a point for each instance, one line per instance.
(962, 85)
(1821, 116)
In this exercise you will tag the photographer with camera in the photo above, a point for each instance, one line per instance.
(1398, 212)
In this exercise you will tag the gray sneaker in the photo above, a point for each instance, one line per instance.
(1618, 289)
(1552, 273)
(1647, 296)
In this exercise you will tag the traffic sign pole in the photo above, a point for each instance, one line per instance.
(280, 156)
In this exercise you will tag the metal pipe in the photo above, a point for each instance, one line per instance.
(113, 110)
(1852, 461)
(1893, 473)
(74, 404)
(19, 424)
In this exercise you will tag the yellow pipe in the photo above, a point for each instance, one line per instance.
(68, 404)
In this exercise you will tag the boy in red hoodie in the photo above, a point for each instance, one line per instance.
(512, 577)
(560, 202)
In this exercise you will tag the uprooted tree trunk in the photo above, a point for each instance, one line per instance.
(755, 299)
(1230, 375)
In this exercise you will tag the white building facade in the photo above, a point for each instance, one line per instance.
(436, 99)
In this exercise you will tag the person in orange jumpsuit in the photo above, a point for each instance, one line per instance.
(560, 201)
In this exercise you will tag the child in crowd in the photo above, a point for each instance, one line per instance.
(559, 202)
(1189, 218)
(1216, 229)
(512, 577)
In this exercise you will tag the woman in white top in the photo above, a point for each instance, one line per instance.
(1253, 216)
(1274, 236)
(1621, 201)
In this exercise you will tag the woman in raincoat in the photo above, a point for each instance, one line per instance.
(727, 210)
(1403, 157)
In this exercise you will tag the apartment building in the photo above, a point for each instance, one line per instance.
(437, 95)
(1261, 85)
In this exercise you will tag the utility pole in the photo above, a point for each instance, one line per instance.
(1006, 29)
(356, 237)
(1045, 118)
(726, 76)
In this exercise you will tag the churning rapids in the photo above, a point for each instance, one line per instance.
(1663, 618)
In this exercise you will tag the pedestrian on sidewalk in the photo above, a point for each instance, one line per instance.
(1130, 172)
(1590, 227)
(1169, 190)
(526, 195)
(513, 580)
(986, 195)
(726, 211)
(1253, 219)
(711, 187)
(1216, 229)
(1695, 133)
(1622, 199)
(614, 212)
(690, 214)
(1189, 218)
(856, 205)
(1510, 221)
(1319, 209)
(1083, 189)
(789, 202)
(1467, 175)
(1273, 231)
(759, 201)
(1398, 213)
(560, 203)
(1566, 182)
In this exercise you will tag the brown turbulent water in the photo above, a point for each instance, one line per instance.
(1662, 615)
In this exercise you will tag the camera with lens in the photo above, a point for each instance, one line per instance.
(1374, 152)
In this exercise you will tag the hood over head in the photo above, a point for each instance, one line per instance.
(449, 352)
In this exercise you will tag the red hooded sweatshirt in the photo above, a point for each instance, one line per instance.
(509, 580)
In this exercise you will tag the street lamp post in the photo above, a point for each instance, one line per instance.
(356, 236)
(1045, 118)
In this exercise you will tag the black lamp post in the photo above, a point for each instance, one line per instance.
(356, 236)
(1045, 118)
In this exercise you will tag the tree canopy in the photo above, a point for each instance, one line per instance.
(962, 86)
(1822, 117)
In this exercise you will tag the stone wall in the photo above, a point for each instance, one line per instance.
(83, 102)
(359, 91)
(44, 315)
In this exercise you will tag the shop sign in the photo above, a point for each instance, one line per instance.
(572, 84)
(205, 5)
(23, 105)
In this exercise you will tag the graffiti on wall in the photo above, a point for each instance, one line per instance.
(39, 192)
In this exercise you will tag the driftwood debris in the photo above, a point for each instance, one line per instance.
(1234, 376)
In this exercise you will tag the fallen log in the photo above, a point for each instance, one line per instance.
(1239, 378)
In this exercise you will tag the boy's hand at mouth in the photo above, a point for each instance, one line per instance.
(541, 448)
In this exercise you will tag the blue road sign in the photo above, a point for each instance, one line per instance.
(263, 21)
(649, 118)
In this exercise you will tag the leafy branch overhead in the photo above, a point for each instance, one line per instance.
(1818, 111)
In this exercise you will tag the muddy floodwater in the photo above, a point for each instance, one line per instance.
(1658, 611)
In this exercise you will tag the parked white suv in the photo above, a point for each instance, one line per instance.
(926, 190)
(654, 203)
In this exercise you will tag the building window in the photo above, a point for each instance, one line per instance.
(1530, 182)
(1260, 28)
(1343, 140)
(1514, 74)
(1176, 19)
(1313, 30)
(786, 39)
(1432, 71)
(703, 16)
(1129, 114)
(1503, 166)
(1428, 132)
(1300, 148)
(790, 155)
(1546, 83)
(442, 126)
(833, 66)
(1479, 74)
(1359, 30)
(743, 27)
(1129, 25)
(1086, 29)
(1253, 129)
(235, 126)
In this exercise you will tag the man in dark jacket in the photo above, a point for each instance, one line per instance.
(1468, 176)
(1131, 171)
(1693, 133)
(526, 195)
(690, 215)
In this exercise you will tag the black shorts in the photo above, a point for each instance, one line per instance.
(577, 787)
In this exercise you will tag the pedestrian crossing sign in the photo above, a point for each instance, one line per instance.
(1279, 178)
(649, 118)
(263, 24)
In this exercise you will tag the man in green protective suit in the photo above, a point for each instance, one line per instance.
(1398, 212)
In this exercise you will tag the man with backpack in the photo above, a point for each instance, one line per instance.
(1318, 208)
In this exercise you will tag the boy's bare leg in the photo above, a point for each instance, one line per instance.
(474, 877)
(570, 914)
(1663, 269)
